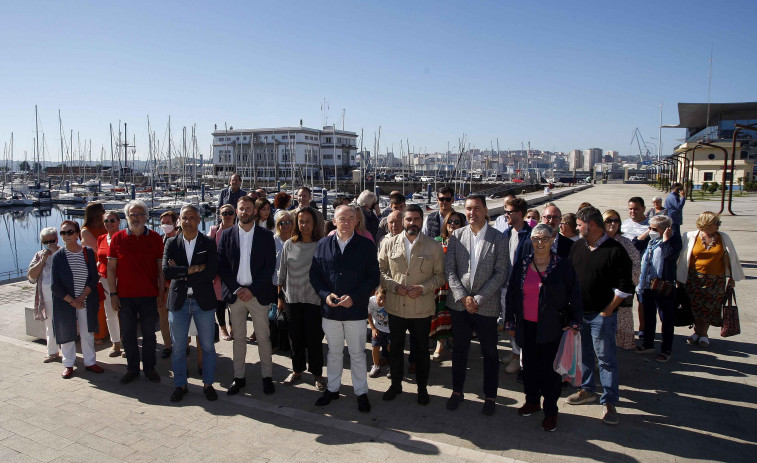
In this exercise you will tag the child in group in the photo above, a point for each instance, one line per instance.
(379, 322)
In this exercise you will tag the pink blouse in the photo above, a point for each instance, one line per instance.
(531, 287)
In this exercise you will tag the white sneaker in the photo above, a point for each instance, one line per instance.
(513, 366)
(375, 371)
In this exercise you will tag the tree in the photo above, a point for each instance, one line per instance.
(705, 188)
(713, 187)
(24, 166)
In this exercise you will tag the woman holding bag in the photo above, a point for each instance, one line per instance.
(543, 300)
(709, 265)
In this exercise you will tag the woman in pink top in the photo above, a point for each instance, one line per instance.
(228, 215)
(543, 300)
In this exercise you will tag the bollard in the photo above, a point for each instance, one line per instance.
(324, 202)
(99, 186)
(429, 189)
(133, 192)
(68, 186)
(278, 185)
(202, 192)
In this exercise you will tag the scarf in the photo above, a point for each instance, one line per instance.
(651, 266)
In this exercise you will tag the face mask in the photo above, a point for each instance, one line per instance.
(531, 223)
(50, 247)
(167, 228)
(653, 235)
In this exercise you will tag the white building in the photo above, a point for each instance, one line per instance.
(575, 160)
(592, 156)
(284, 152)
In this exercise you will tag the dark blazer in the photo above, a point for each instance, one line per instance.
(356, 273)
(262, 265)
(201, 282)
(64, 314)
(229, 197)
(559, 293)
(524, 236)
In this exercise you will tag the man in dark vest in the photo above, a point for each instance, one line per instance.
(432, 226)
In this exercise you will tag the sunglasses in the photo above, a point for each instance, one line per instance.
(50, 242)
(453, 221)
(67, 232)
(509, 212)
(227, 213)
(286, 222)
(445, 199)
(612, 220)
(111, 220)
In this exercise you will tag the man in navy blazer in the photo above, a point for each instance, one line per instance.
(231, 194)
(246, 262)
(190, 261)
(344, 272)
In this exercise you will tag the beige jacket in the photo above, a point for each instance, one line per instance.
(426, 269)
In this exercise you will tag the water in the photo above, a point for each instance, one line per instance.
(19, 235)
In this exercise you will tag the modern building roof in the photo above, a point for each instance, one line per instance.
(326, 130)
(694, 115)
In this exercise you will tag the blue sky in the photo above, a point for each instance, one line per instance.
(562, 75)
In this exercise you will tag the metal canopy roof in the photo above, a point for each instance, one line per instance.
(694, 115)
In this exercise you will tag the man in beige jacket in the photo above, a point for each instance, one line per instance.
(412, 268)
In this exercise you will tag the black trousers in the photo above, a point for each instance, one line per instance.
(146, 308)
(221, 313)
(463, 324)
(539, 377)
(306, 338)
(419, 329)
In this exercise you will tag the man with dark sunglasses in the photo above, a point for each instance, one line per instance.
(432, 225)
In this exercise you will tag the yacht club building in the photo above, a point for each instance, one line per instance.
(284, 153)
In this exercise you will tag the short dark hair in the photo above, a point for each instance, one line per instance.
(306, 189)
(638, 200)
(520, 204)
(446, 190)
(676, 185)
(414, 208)
(236, 175)
(396, 198)
(246, 199)
(478, 197)
(590, 214)
(174, 216)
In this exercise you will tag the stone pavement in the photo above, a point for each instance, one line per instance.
(698, 407)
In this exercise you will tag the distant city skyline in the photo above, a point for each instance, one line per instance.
(560, 77)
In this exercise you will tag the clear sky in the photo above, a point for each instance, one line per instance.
(562, 75)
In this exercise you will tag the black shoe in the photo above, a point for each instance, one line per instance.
(488, 409)
(423, 397)
(129, 377)
(210, 393)
(179, 394)
(268, 387)
(519, 378)
(166, 353)
(326, 398)
(236, 385)
(392, 392)
(199, 371)
(152, 375)
(454, 401)
(362, 403)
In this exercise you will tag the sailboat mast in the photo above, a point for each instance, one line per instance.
(37, 165)
(62, 162)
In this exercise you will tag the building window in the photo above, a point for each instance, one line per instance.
(708, 176)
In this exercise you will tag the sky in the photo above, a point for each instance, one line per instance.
(560, 75)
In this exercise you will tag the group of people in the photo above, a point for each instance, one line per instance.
(442, 276)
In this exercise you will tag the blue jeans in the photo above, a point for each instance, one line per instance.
(179, 323)
(598, 339)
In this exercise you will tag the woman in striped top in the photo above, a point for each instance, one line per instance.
(75, 301)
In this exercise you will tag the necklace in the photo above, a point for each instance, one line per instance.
(713, 241)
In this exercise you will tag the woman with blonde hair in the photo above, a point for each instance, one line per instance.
(708, 264)
(624, 336)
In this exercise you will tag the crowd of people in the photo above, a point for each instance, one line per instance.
(446, 277)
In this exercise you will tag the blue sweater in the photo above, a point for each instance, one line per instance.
(354, 272)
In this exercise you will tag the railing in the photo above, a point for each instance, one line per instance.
(11, 276)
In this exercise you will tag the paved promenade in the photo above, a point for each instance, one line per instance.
(698, 407)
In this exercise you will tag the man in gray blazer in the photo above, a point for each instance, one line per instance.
(477, 265)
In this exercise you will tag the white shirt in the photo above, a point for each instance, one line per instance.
(343, 244)
(633, 229)
(189, 248)
(500, 223)
(514, 240)
(408, 246)
(476, 245)
(244, 277)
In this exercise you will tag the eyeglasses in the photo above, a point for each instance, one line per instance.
(67, 232)
(445, 199)
(543, 239)
(549, 218)
(111, 220)
(136, 215)
(612, 221)
(228, 213)
(286, 222)
(50, 241)
(453, 222)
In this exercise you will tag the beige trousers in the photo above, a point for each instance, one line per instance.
(259, 314)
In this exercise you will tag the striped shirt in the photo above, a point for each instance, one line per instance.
(79, 269)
